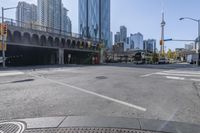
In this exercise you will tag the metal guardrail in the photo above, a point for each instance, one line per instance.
(33, 26)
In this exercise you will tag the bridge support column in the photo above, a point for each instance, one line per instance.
(61, 56)
(102, 58)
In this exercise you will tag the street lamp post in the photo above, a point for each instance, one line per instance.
(198, 48)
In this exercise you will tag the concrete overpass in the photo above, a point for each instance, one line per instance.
(58, 45)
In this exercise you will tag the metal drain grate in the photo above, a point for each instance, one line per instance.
(86, 130)
(12, 127)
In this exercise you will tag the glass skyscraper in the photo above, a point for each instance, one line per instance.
(66, 22)
(94, 19)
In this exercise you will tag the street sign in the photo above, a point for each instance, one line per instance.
(1, 46)
(168, 40)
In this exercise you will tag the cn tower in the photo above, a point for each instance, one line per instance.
(162, 45)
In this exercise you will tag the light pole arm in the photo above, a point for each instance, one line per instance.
(196, 20)
(9, 8)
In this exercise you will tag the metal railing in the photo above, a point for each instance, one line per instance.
(37, 27)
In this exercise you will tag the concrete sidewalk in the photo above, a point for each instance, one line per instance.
(108, 122)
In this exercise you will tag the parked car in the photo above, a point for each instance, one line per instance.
(163, 61)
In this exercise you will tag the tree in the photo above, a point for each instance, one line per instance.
(155, 57)
(169, 54)
(174, 55)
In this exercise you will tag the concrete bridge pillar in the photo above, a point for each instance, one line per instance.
(61, 56)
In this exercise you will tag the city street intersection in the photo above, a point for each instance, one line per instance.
(164, 92)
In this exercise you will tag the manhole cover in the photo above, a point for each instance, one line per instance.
(12, 127)
(86, 130)
(101, 77)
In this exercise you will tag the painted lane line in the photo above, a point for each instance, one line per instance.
(2, 74)
(147, 75)
(173, 74)
(95, 94)
(176, 78)
(183, 72)
(150, 74)
(198, 80)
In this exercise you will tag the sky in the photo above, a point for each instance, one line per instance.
(142, 16)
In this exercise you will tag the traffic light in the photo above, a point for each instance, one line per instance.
(161, 42)
(5, 29)
(1, 31)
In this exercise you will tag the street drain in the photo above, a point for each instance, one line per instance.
(12, 127)
(25, 80)
(101, 77)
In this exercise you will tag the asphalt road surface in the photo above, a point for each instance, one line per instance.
(165, 92)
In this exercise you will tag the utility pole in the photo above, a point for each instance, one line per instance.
(3, 41)
(198, 48)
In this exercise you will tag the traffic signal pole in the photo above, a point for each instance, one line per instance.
(3, 41)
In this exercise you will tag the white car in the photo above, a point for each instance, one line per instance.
(163, 61)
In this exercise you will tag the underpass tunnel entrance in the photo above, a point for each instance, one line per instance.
(25, 56)
(80, 57)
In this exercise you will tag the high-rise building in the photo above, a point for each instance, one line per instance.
(66, 22)
(123, 34)
(26, 13)
(94, 19)
(138, 40)
(117, 37)
(131, 41)
(127, 44)
(50, 14)
(150, 45)
(69, 25)
(111, 40)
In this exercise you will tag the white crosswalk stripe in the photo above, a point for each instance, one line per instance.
(10, 73)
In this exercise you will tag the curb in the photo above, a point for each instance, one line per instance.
(110, 122)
